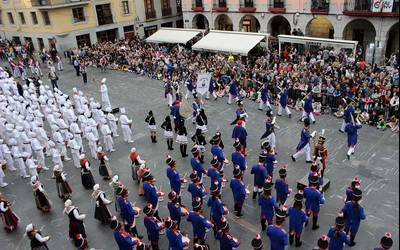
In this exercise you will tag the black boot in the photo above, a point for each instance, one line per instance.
(263, 224)
(184, 150)
(201, 159)
(298, 241)
(352, 242)
(291, 239)
(239, 211)
(135, 233)
(171, 142)
(315, 225)
(155, 139)
(255, 195)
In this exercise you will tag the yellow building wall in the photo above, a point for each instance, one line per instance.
(61, 18)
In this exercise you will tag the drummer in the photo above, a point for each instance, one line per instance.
(176, 211)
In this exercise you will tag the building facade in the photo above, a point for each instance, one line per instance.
(72, 23)
(373, 23)
(154, 14)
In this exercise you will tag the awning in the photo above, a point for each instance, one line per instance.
(238, 43)
(171, 35)
(337, 44)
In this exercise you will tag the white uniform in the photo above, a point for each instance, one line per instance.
(92, 142)
(26, 142)
(7, 156)
(108, 141)
(76, 131)
(55, 155)
(113, 124)
(73, 145)
(93, 124)
(38, 149)
(18, 156)
(125, 126)
(60, 143)
(105, 100)
(30, 163)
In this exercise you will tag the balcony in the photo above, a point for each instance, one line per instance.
(365, 8)
(166, 12)
(277, 6)
(247, 6)
(220, 6)
(56, 4)
(198, 6)
(150, 14)
(320, 7)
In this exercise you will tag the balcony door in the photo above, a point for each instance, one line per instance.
(104, 14)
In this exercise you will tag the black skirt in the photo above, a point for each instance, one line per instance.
(104, 170)
(42, 202)
(87, 180)
(64, 190)
(102, 214)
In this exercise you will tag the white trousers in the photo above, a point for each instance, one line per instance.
(342, 128)
(40, 157)
(62, 149)
(280, 108)
(57, 161)
(75, 157)
(93, 149)
(351, 150)
(305, 150)
(261, 105)
(305, 115)
(272, 140)
(21, 166)
(231, 97)
(127, 133)
(213, 94)
(114, 128)
(108, 143)
(10, 162)
(169, 99)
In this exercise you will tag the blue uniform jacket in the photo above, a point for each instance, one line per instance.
(260, 174)
(219, 153)
(283, 99)
(314, 199)
(269, 129)
(215, 176)
(196, 191)
(174, 180)
(349, 194)
(216, 208)
(127, 212)
(352, 135)
(304, 139)
(238, 159)
(175, 112)
(153, 229)
(348, 114)
(151, 194)
(226, 241)
(353, 216)
(233, 89)
(240, 133)
(264, 94)
(198, 167)
(175, 240)
(308, 105)
(189, 85)
(336, 243)
(125, 242)
(269, 163)
(282, 190)
(200, 224)
(268, 206)
(175, 211)
(297, 218)
(238, 190)
(278, 237)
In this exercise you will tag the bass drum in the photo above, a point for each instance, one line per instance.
(185, 109)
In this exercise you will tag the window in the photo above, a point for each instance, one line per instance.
(22, 17)
(34, 18)
(40, 42)
(78, 14)
(83, 40)
(149, 7)
(125, 7)
(165, 4)
(179, 6)
(1, 18)
(104, 14)
(10, 18)
(166, 8)
(46, 18)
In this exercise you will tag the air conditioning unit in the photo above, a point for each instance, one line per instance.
(74, 1)
(44, 2)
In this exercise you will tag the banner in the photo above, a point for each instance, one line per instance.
(382, 5)
(203, 83)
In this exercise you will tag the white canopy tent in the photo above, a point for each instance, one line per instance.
(238, 43)
(173, 35)
(337, 44)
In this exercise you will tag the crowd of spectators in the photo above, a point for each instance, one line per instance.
(330, 75)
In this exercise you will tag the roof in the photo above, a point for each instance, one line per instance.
(229, 42)
(319, 41)
(173, 35)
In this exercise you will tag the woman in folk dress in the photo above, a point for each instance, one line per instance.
(168, 133)
(64, 191)
(9, 217)
(41, 199)
(101, 211)
(104, 168)
(86, 173)
(152, 126)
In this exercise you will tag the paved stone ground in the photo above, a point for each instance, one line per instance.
(375, 162)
